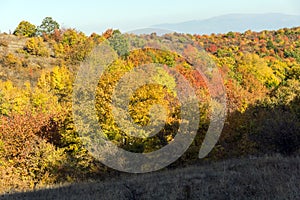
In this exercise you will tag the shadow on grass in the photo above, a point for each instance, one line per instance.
(274, 177)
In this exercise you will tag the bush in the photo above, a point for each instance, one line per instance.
(36, 46)
(10, 60)
(27, 159)
(3, 43)
(279, 132)
(74, 46)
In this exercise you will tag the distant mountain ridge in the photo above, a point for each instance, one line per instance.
(234, 22)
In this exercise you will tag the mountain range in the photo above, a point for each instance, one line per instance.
(232, 22)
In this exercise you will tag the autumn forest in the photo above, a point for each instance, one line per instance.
(40, 145)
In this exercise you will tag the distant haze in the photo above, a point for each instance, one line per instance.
(234, 22)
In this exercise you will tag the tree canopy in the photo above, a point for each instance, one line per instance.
(25, 28)
(48, 26)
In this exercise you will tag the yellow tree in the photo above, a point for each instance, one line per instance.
(25, 28)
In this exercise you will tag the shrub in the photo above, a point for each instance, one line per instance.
(10, 60)
(279, 132)
(3, 43)
(27, 159)
(36, 46)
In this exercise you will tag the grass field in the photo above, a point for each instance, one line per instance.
(269, 177)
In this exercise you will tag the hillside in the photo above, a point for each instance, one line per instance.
(18, 66)
(42, 145)
(252, 178)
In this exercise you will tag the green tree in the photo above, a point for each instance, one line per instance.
(48, 26)
(25, 28)
(119, 43)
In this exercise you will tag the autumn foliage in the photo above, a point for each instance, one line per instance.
(39, 144)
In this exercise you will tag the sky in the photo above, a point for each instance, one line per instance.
(91, 16)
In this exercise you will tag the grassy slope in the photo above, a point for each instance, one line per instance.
(34, 65)
(248, 178)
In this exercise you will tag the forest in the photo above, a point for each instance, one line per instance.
(40, 146)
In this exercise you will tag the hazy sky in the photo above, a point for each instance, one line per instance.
(96, 16)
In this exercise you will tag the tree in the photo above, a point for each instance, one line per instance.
(253, 65)
(48, 26)
(74, 46)
(119, 43)
(25, 28)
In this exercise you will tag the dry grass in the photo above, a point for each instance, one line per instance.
(29, 68)
(273, 177)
